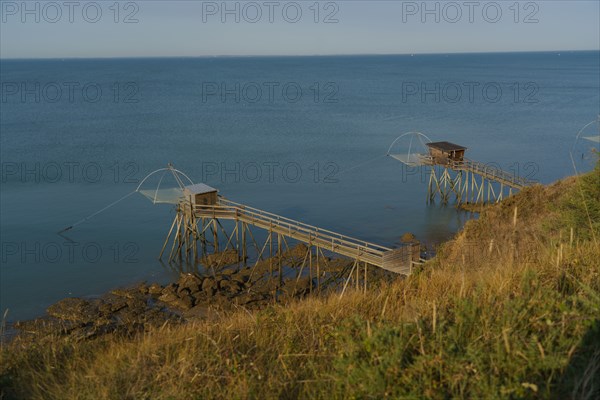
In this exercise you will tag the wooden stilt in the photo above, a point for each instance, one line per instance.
(318, 273)
(366, 266)
(279, 272)
(215, 236)
(168, 237)
(244, 245)
(348, 280)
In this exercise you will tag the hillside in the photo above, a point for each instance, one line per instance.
(510, 308)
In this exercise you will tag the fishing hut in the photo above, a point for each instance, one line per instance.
(454, 175)
(200, 194)
(444, 153)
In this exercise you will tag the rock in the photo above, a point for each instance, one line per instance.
(301, 288)
(117, 304)
(198, 311)
(104, 321)
(122, 312)
(185, 302)
(298, 251)
(105, 308)
(191, 282)
(156, 318)
(137, 304)
(408, 238)
(155, 289)
(170, 288)
(74, 309)
(241, 278)
(233, 287)
(131, 292)
(143, 289)
(221, 259)
(222, 282)
(228, 272)
(221, 299)
(209, 284)
(127, 316)
(47, 326)
(168, 298)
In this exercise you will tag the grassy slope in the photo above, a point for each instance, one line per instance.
(505, 311)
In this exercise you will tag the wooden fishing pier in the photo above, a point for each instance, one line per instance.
(468, 181)
(198, 225)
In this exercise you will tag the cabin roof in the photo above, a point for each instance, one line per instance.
(446, 146)
(199, 188)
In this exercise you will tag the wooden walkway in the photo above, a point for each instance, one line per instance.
(395, 260)
(492, 173)
(486, 171)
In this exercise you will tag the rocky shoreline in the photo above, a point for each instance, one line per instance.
(136, 309)
(132, 310)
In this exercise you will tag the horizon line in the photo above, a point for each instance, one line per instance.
(299, 55)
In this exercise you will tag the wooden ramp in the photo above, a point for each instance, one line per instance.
(470, 181)
(484, 170)
(395, 260)
(492, 173)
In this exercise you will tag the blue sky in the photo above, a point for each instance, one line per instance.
(199, 28)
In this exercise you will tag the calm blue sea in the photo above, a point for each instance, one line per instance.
(304, 137)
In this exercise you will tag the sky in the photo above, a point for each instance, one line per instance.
(156, 28)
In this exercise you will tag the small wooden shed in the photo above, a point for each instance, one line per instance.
(445, 152)
(201, 194)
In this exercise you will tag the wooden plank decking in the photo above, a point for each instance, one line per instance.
(395, 260)
(487, 171)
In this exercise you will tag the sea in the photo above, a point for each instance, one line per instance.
(307, 138)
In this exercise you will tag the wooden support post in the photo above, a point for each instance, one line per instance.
(203, 237)
(366, 266)
(271, 252)
(176, 238)
(184, 235)
(237, 242)
(348, 279)
(319, 271)
(215, 236)
(244, 251)
(229, 240)
(279, 260)
(307, 255)
(357, 273)
(310, 274)
(430, 186)
(168, 236)
(515, 238)
(468, 187)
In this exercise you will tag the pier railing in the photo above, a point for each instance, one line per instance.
(396, 260)
(492, 173)
(485, 170)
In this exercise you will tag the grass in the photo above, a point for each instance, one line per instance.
(506, 311)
